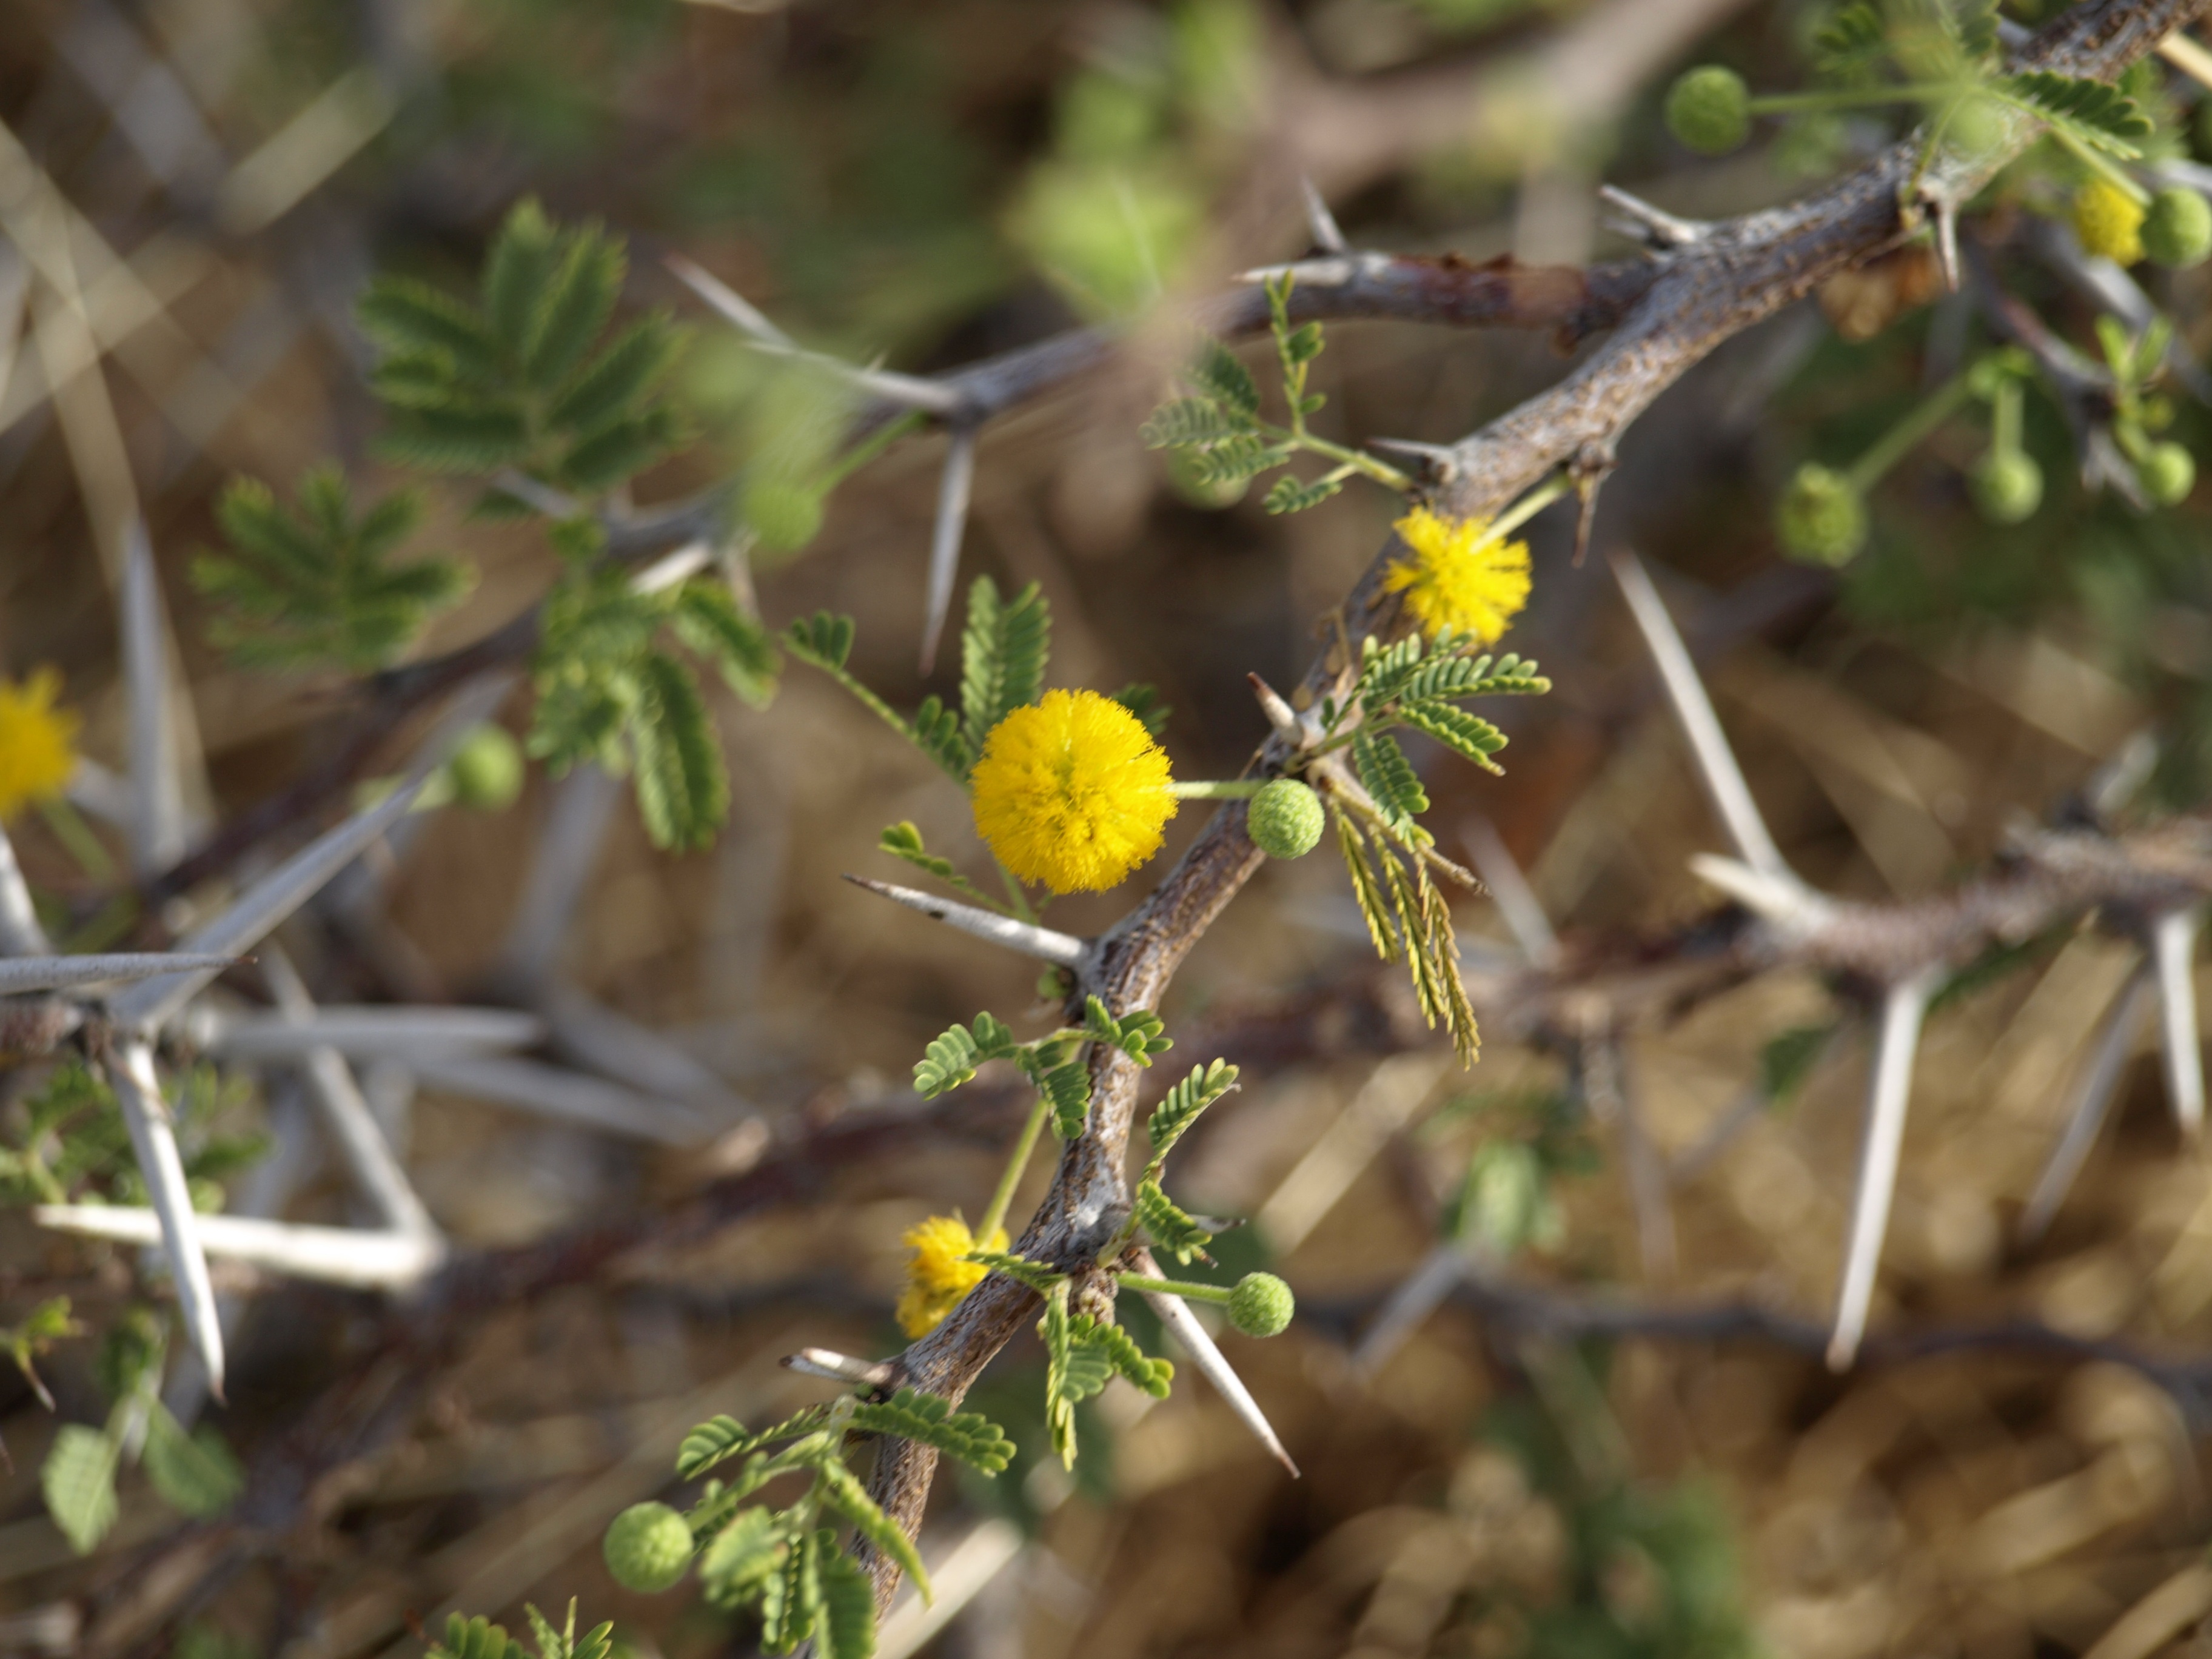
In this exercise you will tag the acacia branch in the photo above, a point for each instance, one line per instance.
(1739, 272)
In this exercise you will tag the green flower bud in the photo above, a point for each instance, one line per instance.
(1709, 110)
(1977, 127)
(1284, 819)
(2168, 473)
(648, 1547)
(785, 515)
(1262, 1305)
(487, 769)
(2007, 486)
(1821, 519)
(2177, 231)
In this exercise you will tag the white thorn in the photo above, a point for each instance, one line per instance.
(157, 818)
(1280, 715)
(588, 1034)
(1947, 244)
(23, 973)
(538, 494)
(1652, 226)
(1043, 942)
(2114, 784)
(1327, 237)
(377, 1173)
(2173, 945)
(1716, 765)
(21, 935)
(263, 907)
(552, 1092)
(1785, 902)
(911, 390)
(103, 795)
(1889, 1089)
(952, 493)
(2092, 1094)
(671, 568)
(1419, 1294)
(364, 1032)
(1516, 900)
(334, 1256)
(840, 1367)
(1441, 461)
(174, 1225)
(1183, 1325)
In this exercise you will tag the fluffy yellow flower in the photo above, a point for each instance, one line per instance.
(38, 742)
(936, 1277)
(1461, 577)
(1072, 792)
(2108, 220)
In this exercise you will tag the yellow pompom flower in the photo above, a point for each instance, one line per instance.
(38, 742)
(1462, 577)
(2107, 221)
(936, 1277)
(1072, 792)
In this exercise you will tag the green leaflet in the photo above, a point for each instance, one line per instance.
(1040, 1276)
(682, 789)
(1137, 1034)
(903, 840)
(476, 1638)
(1168, 1228)
(1183, 421)
(707, 619)
(951, 1059)
(564, 1644)
(1068, 1088)
(1143, 702)
(1217, 371)
(1295, 495)
(1004, 648)
(939, 733)
(823, 640)
(1180, 1107)
(1120, 1349)
(1467, 735)
(78, 1482)
(1059, 1351)
(315, 586)
(1455, 676)
(194, 1473)
(929, 1418)
(1390, 778)
(2088, 111)
(745, 1554)
(841, 1490)
(722, 1437)
(847, 1609)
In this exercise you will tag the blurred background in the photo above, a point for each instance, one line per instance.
(1615, 1436)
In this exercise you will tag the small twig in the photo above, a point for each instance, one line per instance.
(1045, 943)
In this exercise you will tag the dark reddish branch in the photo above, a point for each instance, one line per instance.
(1743, 272)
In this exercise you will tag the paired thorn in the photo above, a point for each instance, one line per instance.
(157, 805)
(1175, 1314)
(1889, 1090)
(2174, 948)
(842, 1367)
(953, 492)
(21, 935)
(908, 391)
(1783, 902)
(22, 974)
(261, 907)
(1654, 227)
(171, 1223)
(359, 1259)
(1439, 463)
(1046, 944)
(1326, 236)
(2092, 1097)
(1516, 901)
(1280, 715)
(1716, 765)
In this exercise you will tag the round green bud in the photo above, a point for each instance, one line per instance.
(2168, 473)
(2007, 486)
(1820, 518)
(1977, 127)
(1262, 1305)
(1284, 819)
(487, 769)
(648, 1547)
(1709, 110)
(785, 515)
(2177, 231)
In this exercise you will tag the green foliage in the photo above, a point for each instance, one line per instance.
(608, 693)
(722, 1437)
(1218, 438)
(1180, 1107)
(929, 1418)
(2088, 111)
(823, 640)
(67, 1141)
(1391, 780)
(29, 1338)
(1506, 1200)
(1167, 1226)
(1138, 1034)
(950, 1060)
(1003, 651)
(1786, 1060)
(479, 1638)
(195, 1473)
(1152, 1375)
(648, 1548)
(77, 1480)
(1066, 1379)
(1406, 914)
(1067, 1090)
(1469, 736)
(521, 379)
(1143, 702)
(314, 586)
(903, 840)
(1852, 42)
(1040, 1276)
(842, 1492)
